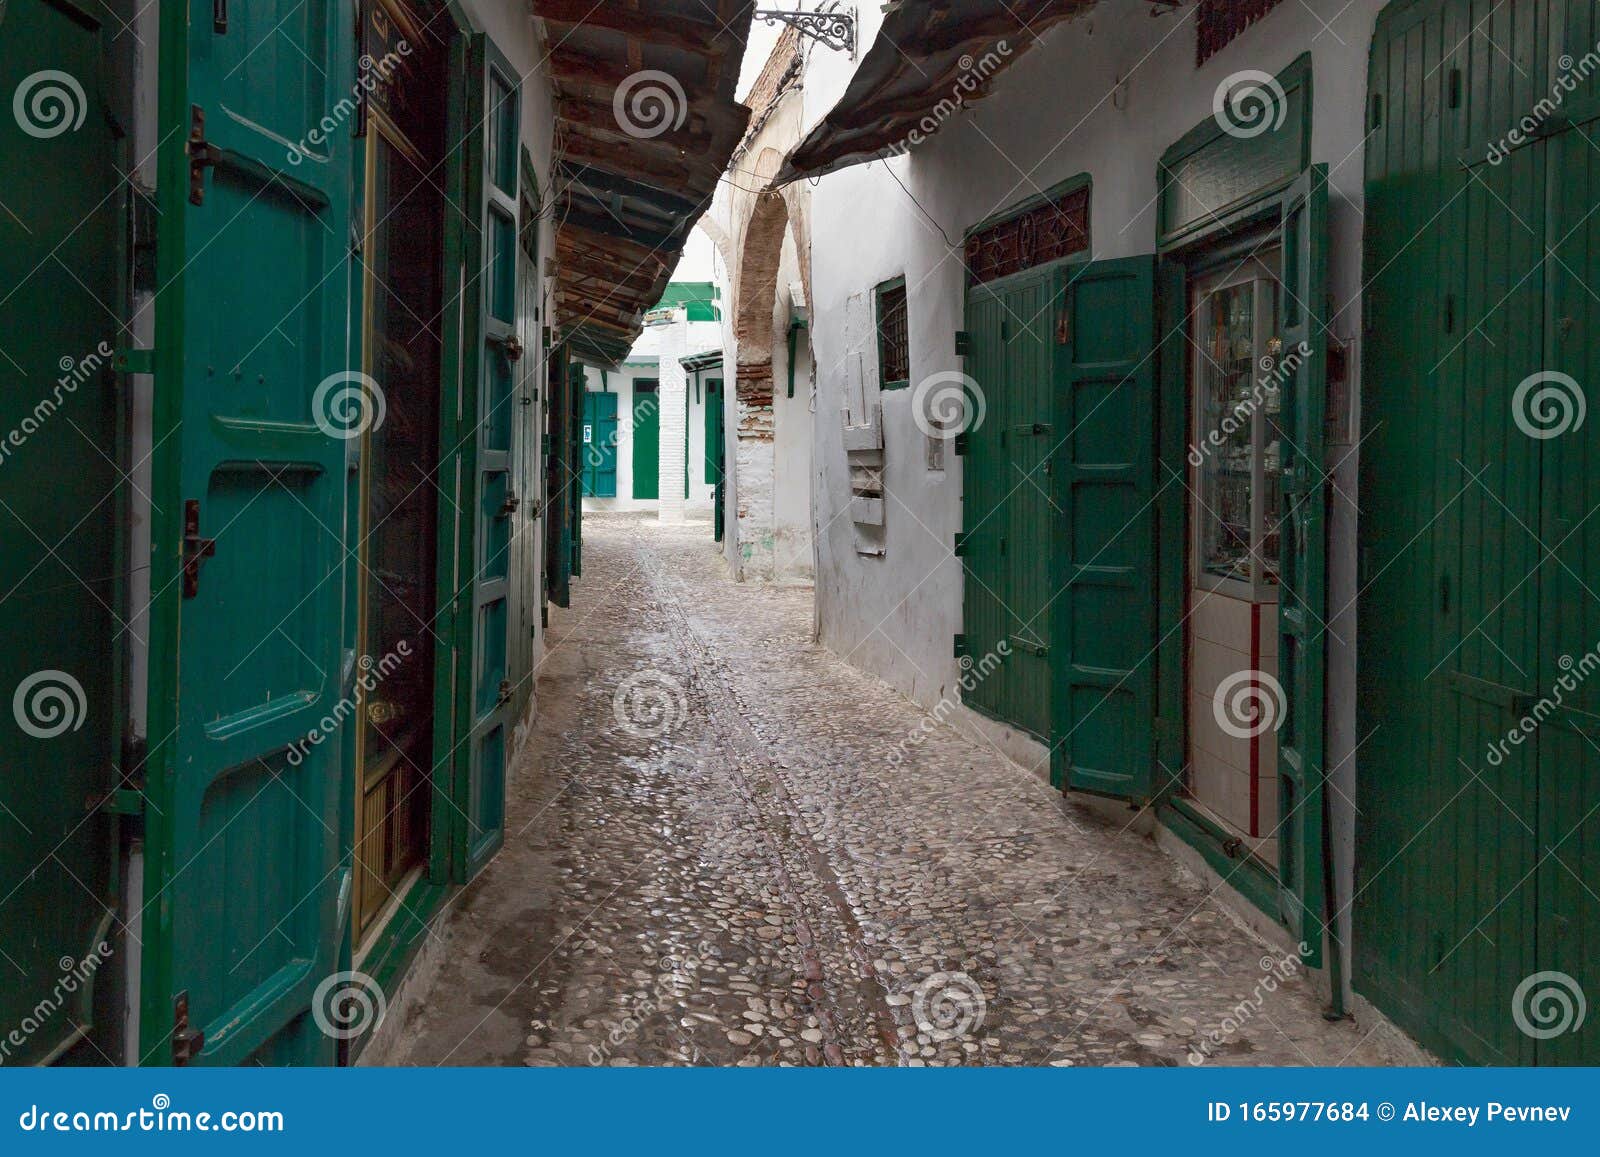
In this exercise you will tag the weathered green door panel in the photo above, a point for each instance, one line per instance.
(1006, 500)
(599, 444)
(574, 455)
(60, 507)
(245, 895)
(1568, 677)
(1103, 547)
(562, 481)
(646, 439)
(1450, 605)
(714, 453)
(476, 457)
(1303, 536)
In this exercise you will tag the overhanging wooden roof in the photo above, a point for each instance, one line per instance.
(930, 58)
(630, 187)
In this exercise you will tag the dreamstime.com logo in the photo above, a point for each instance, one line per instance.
(1278, 970)
(49, 103)
(372, 674)
(347, 404)
(948, 1004)
(649, 103)
(1250, 104)
(1571, 74)
(1249, 703)
(370, 76)
(1548, 1004)
(347, 1004)
(649, 704)
(948, 403)
(1576, 673)
(76, 975)
(1275, 372)
(74, 372)
(1549, 404)
(975, 72)
(972, 674)
(49, 703)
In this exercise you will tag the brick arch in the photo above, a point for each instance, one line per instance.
(759, 257)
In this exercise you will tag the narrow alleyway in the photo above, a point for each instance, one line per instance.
(711, 857)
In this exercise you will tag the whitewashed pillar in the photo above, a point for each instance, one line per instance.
(674, 400)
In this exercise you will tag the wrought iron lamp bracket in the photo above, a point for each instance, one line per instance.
(830, 29)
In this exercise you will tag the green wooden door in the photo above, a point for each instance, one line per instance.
(60, 606)
(245, 892)
(599, 444)
(1302, 597)
(1006, 500)
(714, 453)
(473, 687)
(646, 438)
(563, 479)
(1475, 865)
(1103, 544)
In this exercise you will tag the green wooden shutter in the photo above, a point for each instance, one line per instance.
(62, 511)
(1302, 601)
(245, 897)
(1103, 618)
(473, 689)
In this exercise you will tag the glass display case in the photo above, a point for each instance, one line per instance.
(1236, 451)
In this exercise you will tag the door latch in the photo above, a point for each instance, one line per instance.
(186, 1042)
(509, 506)
(202, 155)
(195, 548)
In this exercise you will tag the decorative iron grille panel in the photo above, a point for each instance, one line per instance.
(1055, 229)
(1219, 21)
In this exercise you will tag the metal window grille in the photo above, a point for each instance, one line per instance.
(894, 346)
(1218, 22)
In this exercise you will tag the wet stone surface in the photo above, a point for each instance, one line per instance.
(710, 858)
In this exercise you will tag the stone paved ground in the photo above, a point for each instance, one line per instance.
(710, 859)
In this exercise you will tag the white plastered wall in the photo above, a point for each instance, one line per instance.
(1056, 112)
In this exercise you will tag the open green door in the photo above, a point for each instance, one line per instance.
(1302, 598)
(1103, 613)
(245, 893)
(472, 686)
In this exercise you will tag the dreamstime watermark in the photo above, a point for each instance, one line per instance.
(975, 72)
(1549, 404)
(347, 1004)
(347, 404)
(675, 975)
(1577, 672)
(74, 372)
(370, 74)
(649, 103)
(972, 674)
(1572, 73)
(76, 975)
(1250, 104)
(948, 403)
(948, 1004)
(160, 1117)
(1249, 703)
(649, 704)
(1548, 1004)
(49, 103)
(49, 703)
(1275, 372)
(1279, 970)
(372, 674)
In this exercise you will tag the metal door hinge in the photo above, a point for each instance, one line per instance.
(961, 546)
(504, 696)
(142, 217)
(195, 548)
(134, 361)
(960, 443)
(961, 646)
(963, 344)
(202, 155)
(509, 506)
(186, 1042)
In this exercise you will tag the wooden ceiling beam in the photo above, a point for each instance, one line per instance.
(682, 33)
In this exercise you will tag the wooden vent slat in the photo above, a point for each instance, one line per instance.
(1220, 21)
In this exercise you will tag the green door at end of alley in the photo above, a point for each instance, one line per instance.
(646, 438)
(599, 445)
(245, 893)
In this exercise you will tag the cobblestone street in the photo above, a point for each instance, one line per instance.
(710, 858)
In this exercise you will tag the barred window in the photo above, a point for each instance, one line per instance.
(894, 346)
(1220, 21)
